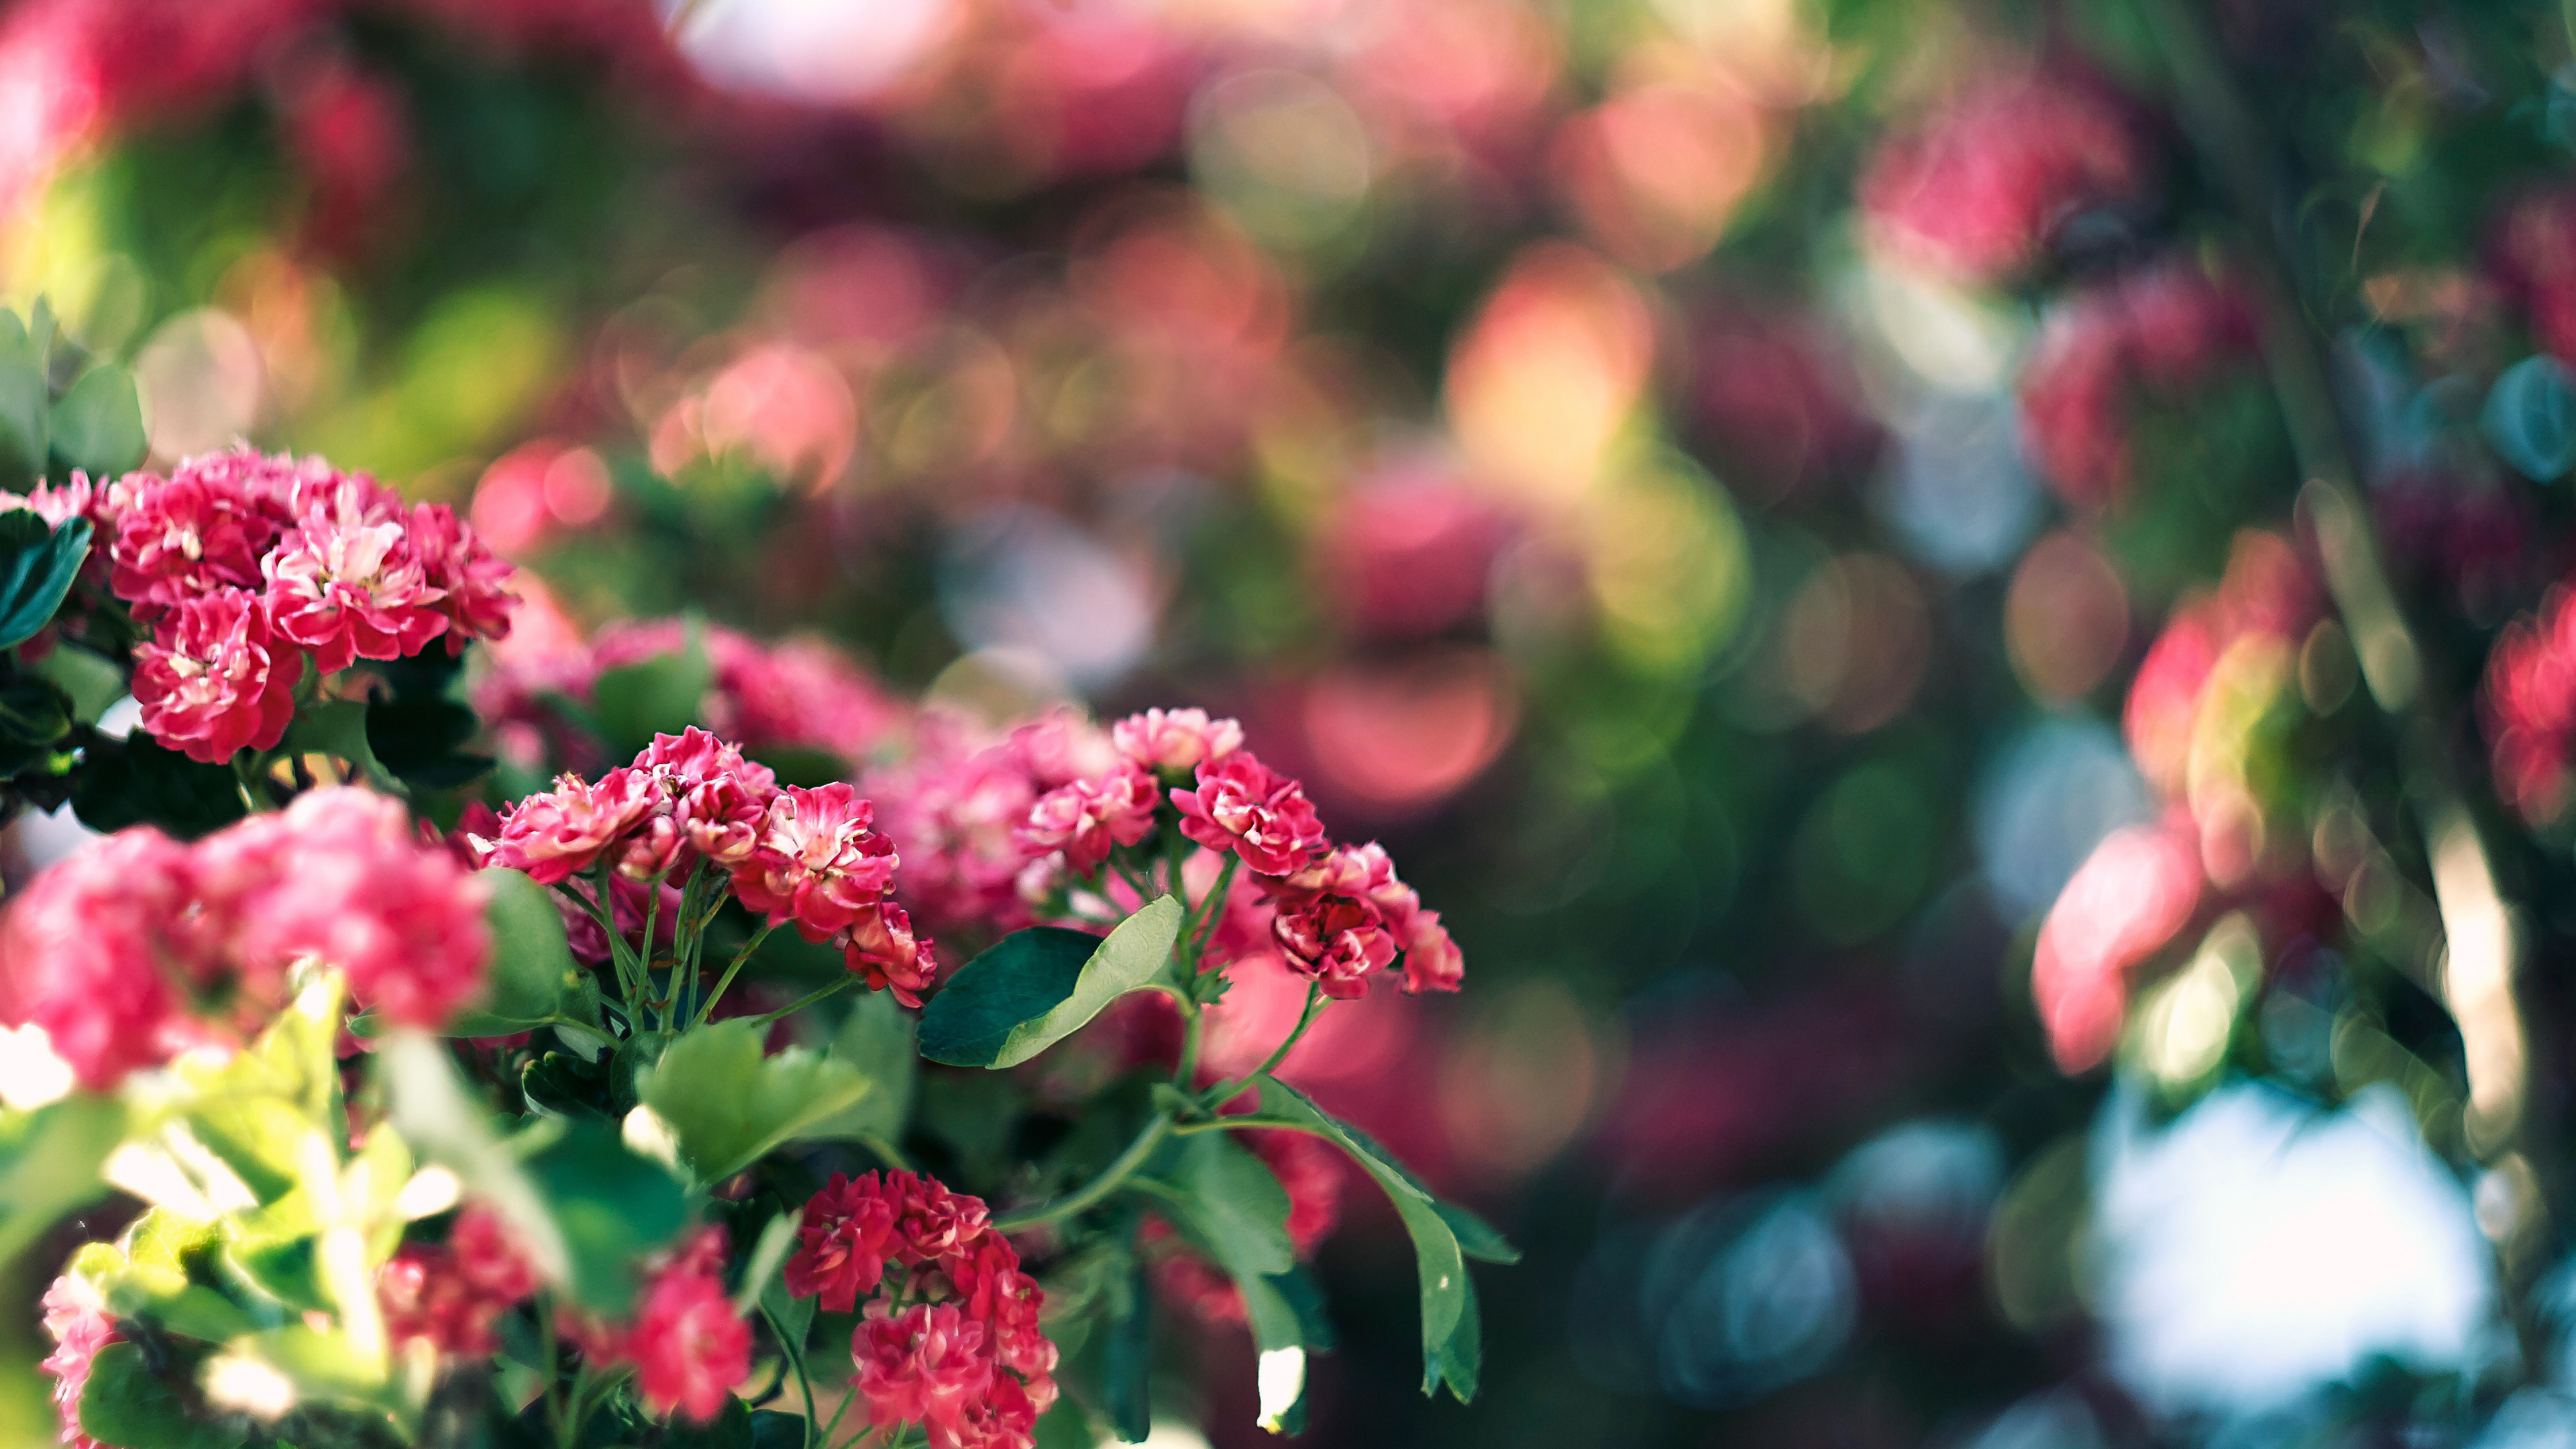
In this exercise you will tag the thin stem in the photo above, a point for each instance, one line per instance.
(835, 989)
(652, 920)
(1218, 1095)
(828, 1429)
(1111, 1178)
(707, 1008)
(1237, 1123)
(796, 1359)
(886, 1152)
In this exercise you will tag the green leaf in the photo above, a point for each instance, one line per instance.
(611, 1206)
(338, 728)
(256, 1109)
(793, 1316)
(634, 702)
(1235, 1203)
(127, 1406)
(136, 782)
(34, 719)
(876, 1038)
(1038, 986)
(38, 564)
(1127, 1359)
(91, 681)
(1450, 1336)
(24, 439)
(728, 1105)
(534, 979)
(1477, 1238)
(49, 1164)
(98, 424)
(420, 741)
(2530, 418)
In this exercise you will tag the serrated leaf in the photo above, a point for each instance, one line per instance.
(876, 1038)
(634, 702)
(728, 1105)
(98, 424)
(125, 1405)
(38, 564)
(1038, 986)
(1451, 1338)
(2530, 418)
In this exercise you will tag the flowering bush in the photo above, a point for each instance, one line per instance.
(533, 1122)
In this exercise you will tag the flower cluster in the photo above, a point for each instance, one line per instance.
(2160, 335)
(244, 565)
(950, 1338)
(127, 952)
(1978, 191)
(806, 857)
(2528, 703)
(79, 1326)
(450, 1293)
(686, 1344)
(959, 803)
(1335, 914)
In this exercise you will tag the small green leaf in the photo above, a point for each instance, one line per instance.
(876, 1038)
(634, 702)
(2530, 418)
(728, 1105)
(126, 1405)
(37, 567)
(612, 1208)
(98, 425)
(338, 728)
(534, 978)
(49, 1164)
(1127, 1359)
(1450, 1335)
(136, 782)
(1041, 985)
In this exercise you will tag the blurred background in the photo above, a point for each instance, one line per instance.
(1999, 913)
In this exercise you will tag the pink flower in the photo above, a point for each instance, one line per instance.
(94, 951)
(1978, 191)
(817, 862)
(880, 946)
(1336, 941)
(1005, 1417)
(451, 1293)
(845, 1235)
(347, 585)
(79, 1326)
(1432, 961)
(215, 678)
(200, 530)
(2134, 894)
(456, 564)
(924, 1366)
(953, 808)
(1262, 816)
(721, 799)
(567, 829)
(1085, 818)
(1061, 747)
(1179, 739)
(688, 1347)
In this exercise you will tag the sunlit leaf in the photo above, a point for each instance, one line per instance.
(1040, 985)
(728, 1104)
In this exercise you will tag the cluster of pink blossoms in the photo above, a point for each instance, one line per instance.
(950, 1339)
(807, 857)
(2528, 704)
(80, 1326)
(1337, 913)
(2161, 334)
(1978, 191)
(138, 947)
(957, 801)
(450, 1293)
(686, 1344)
(245, 564)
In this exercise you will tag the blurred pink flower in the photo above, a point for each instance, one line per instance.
(2131, 897)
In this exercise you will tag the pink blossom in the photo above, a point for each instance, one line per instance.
(688, 1347)
(93, 950)
(880, 946)
(202, 529)
(720, 800)
(1177, 739)
(347, 585)
(952, 808)
(1336, 941)
(1980, 188)
(79, 1326)
(1061, 747)
(451, 1293)
(845, 1235)
(458, 565)
(922, 1366)
(1243, 806)
(2528, 705)
(215, 679)
(817, 862)
(567, 829)
(1086, 818)
(1004, 1417)
(2134, 894)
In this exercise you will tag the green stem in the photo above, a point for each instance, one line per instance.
(707, 1008)
(1238, 1123)
(886, 1152)
(835, 989)
(652, 920)
(1111, 1178)
(846, 1400)
(1222, 1092)
(796, 1359)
